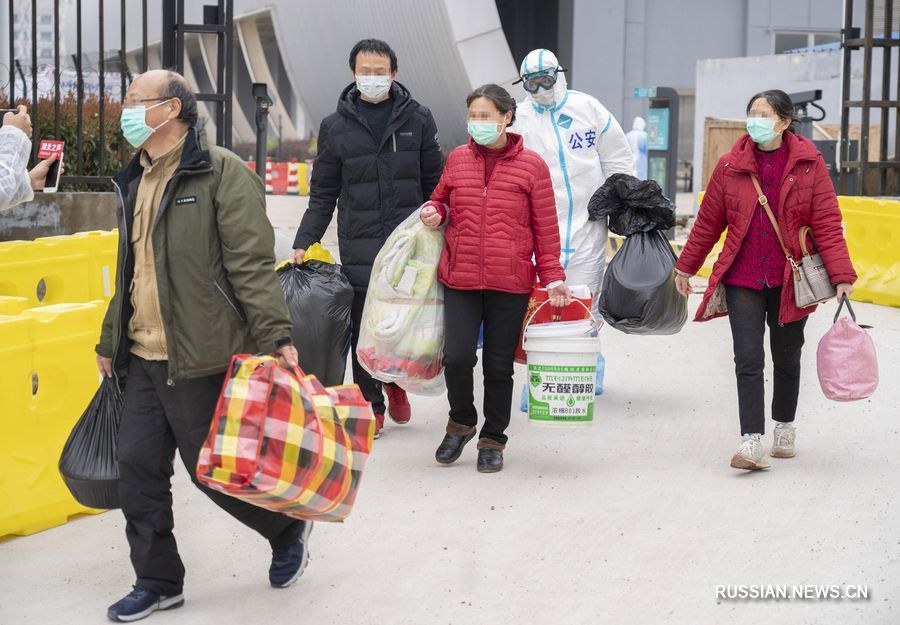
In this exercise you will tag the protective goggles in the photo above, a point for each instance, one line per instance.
(533, 83)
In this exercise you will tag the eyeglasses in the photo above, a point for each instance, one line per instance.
(137, 102)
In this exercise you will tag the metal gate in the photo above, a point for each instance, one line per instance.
(880, 176)
(79, 101)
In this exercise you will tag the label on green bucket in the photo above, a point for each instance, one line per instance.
(561, 394)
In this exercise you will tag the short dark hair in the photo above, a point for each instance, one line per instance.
(780, 102)
(177, 88)
(375, 46)
(504, 102)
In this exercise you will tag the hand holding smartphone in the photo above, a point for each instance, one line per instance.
(50, 147)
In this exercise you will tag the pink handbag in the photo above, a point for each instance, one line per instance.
(846, 360)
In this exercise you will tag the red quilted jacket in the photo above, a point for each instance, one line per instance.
(495, 228)
(806, 198)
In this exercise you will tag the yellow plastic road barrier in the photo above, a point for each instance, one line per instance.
(712, 257)
(48, 375)
(63, 269)
(103, 250)
(46, 271)
(12, 305)
(302, 179)
(872, 229)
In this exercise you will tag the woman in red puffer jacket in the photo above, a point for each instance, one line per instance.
(496, 198)
(751, 281)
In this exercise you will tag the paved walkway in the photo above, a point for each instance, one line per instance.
(633, 521)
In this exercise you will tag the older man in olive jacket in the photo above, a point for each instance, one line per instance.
(195, 285)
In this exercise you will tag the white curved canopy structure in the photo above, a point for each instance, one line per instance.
(445, 48)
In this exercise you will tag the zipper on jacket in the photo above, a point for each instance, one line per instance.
(484, 201)
(123, 236)
(483, 218)
(230, 303)
(162, 209)
(394, 137)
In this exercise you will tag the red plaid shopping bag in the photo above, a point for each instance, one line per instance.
(282, 441)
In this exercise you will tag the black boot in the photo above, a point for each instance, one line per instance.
(489, 460)
(451, 447)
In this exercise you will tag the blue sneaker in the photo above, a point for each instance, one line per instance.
(140, 603)
(288, 563)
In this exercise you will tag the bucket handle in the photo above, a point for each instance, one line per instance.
(547, 301)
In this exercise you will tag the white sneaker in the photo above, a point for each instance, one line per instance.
(750, 455)
(783, 446)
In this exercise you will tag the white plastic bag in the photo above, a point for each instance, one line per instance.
(402, 334)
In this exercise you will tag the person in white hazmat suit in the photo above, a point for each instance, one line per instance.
(637, 139)
(582, 144)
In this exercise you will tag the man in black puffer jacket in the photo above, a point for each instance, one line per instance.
(378, 160)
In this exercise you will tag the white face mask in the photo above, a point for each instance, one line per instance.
(373, 88)
(544, 97)
(550, 98)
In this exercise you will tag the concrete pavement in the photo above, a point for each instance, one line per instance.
(635, 520)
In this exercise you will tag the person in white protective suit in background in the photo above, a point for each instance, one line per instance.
(583, 145)
(637, 139)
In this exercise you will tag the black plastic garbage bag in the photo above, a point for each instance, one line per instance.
(88, 462)
(319, 298)
(638, 294)
(632, 205)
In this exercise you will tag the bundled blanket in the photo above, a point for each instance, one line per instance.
(402, 334)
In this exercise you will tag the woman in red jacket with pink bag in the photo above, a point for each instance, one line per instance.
(496, 198)
(752, 281)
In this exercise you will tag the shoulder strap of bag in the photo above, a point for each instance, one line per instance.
(764, 202)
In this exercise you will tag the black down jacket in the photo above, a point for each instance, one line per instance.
(376, 185)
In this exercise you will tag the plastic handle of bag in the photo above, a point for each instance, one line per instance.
(547, 301)
(845, 300)
(296, 370)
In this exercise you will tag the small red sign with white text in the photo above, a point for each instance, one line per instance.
(49, 147)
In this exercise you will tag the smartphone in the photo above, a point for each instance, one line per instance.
(4, 112)
(48, 148)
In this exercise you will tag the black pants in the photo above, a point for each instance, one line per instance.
(370, 387)
(157, 420)
(502, 314)
(748, 311)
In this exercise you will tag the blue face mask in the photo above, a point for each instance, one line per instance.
(762, 130)
(134, 124)
(484, 133)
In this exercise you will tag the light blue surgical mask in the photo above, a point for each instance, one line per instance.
(762, 130)
(484, 133)
(134, 124)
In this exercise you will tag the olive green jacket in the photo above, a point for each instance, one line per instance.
(214, 254)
